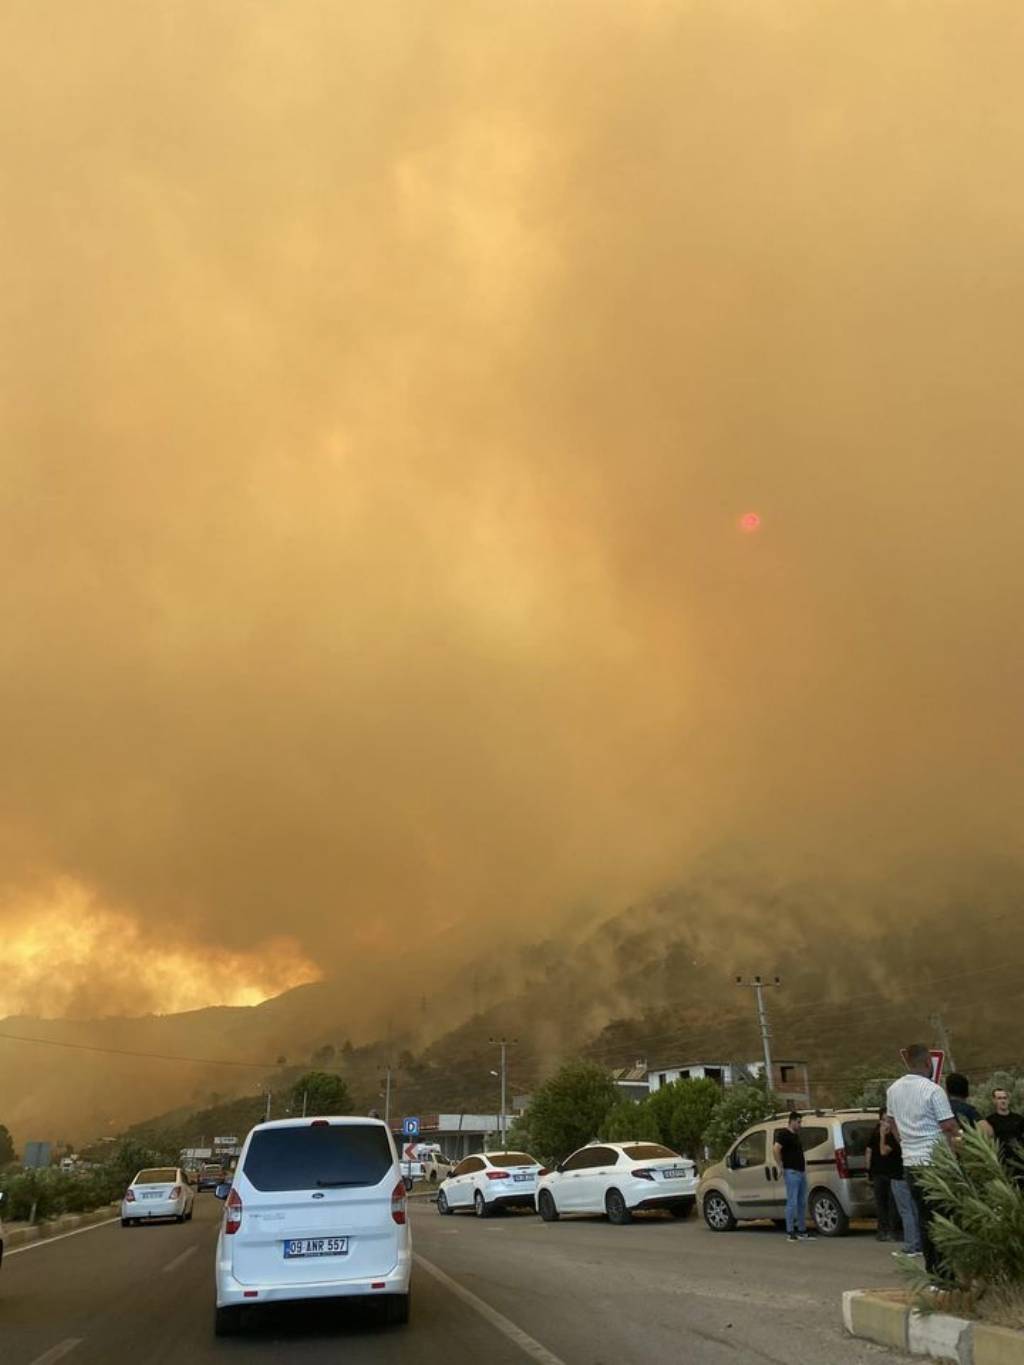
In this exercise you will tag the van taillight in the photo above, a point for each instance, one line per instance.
(842, 1169)
(232, 1211)
(398, 1202)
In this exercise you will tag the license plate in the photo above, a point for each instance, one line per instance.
(156, 1195)
(522, 1177)
(675, 1173)
(315, 1246)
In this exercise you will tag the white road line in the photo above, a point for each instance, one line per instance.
(173, 1265)
(58, 1352)
(515, 1334)
(49, 1241)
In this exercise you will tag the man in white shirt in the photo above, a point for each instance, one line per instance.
(922, 1115)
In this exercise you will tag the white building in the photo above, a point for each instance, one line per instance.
(790, 1080)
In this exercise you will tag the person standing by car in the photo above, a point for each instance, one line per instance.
(789, 1154)
(922, 1118)
(889, 1145)
(884, 1165)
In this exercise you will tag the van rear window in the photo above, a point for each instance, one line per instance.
(329, 1156)
(857, 1134)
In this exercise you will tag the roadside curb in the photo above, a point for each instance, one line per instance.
(939, 1336)
(42, 1232)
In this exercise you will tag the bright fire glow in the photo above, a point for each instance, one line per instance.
(750, 521)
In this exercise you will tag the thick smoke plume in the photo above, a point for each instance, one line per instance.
(383, 388)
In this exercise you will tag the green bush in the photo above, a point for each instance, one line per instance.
(629, 1120)
(739, 1107)
(52, 1191)
(569, 1110)
(978, 1227)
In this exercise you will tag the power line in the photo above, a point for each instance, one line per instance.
(148, 1056)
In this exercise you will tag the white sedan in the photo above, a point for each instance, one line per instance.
(617, 1179)
(489, 1181)
(160, 1192)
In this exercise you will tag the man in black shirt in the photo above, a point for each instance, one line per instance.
(789, 1154)
(885, 1165)
(1007, 1128)
(958, 1088)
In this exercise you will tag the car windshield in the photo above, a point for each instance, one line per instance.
(156, 1177)
(648, 1151)
(502, 1159)
(320, 1156)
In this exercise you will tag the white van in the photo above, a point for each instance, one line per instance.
(316, 1210)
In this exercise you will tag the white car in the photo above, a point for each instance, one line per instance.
(161, 1192)
(618, 1178)
(316, 1209)
(489, 1181)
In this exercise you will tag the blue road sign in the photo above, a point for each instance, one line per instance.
(410, 1127)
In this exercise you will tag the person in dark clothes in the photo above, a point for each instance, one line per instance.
(1007, 1127)
(789, 1154)
(885, 1165)
(958, 1087)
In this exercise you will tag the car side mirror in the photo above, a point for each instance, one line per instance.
(222, 1191)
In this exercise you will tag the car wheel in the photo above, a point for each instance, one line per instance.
(546, 1207)
(615, 1208)
(396, 1309)
(682, 1210)
(829, 1216)
(227, 1322)
(481, 1207)
(433, 1177)
(443, 1207)
(179, 1218)
(717, 1213)
(126, 1222)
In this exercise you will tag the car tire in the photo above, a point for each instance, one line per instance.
(829, 1216)
(396, 1309)
(126, 1222)
(682, 1210)
(433, 1177)
(616, 1208)
(718, 1212)
(481, 1207)
(443, 1207)
(179, 1218)
(546, 1206)
(227, 1322)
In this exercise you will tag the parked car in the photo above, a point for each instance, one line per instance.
(160, 1192)
(316, 1209)
(437, 1166)
(747, 1184)
(618, 1179)
(489, 1181)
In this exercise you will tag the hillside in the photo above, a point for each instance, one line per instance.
(654, 981)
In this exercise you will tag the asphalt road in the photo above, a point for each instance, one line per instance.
(512, 1289)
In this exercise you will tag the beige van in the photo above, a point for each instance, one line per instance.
(747, 1184)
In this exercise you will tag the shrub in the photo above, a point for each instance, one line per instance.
(569, 1110)
(629, 1120)
(739, 1107)
(978, 1227)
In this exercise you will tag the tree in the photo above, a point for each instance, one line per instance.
(6, 1146)
(569, 1109)
(739, 1107)
(323, 1056)
(321, 1092)
(627, 1120)
(695, 1106)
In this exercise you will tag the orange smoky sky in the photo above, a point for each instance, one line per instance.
(382, 388)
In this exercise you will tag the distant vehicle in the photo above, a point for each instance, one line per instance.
(747, 1185)
(161, 1192)
(618, 1179)
(489, 1181)
(437, 1166)
(316, 1210)
(423, 1161)
(210, 1175)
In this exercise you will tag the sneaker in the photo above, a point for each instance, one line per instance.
(790, 1236)
(804, 1236)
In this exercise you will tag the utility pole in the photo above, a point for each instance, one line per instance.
(267, 1118)
(758, 984)
(387, 1098)
(945, 1040)
(305, 1101)
(504, 1044)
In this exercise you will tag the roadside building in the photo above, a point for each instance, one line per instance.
(790, 1080)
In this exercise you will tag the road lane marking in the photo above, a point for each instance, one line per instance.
(58, 1352)
(49, 1241)
(173, 1265)
(505, 1326)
